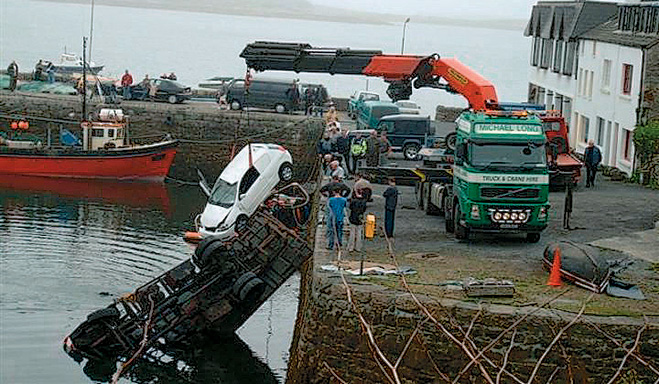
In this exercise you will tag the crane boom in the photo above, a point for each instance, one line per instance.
(402, 72)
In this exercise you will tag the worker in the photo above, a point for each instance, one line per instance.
(337, 170)
(335, 184)
(38, 71)
(362, 187)
(12, 71)
(126, 82)
(592, 158)
(332, 116)
(343, 148)
(391, 200)
(337, 205)
(357, 152)
(50, 72)
(385, 147)
(373, 150)
(325, 145)
(172, 76)
(357, 208)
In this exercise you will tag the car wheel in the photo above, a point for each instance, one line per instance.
(280, 108)
(411, 151)
(286, 172)
(450, 140)
(461, 231)
(205, 253)
(241, 224)
(235, 105)
(172, 99)
(533, 237)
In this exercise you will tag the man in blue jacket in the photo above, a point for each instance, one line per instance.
(592, 158)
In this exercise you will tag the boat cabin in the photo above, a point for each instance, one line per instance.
(106, 133)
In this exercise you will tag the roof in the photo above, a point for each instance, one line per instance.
(567, 20)
(376, 103)
(608, 32)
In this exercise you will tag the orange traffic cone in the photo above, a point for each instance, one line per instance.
(555, 273)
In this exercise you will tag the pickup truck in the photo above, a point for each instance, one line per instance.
(357, 100)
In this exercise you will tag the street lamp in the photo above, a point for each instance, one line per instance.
(402, 45)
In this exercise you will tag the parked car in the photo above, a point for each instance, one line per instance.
(407, 133)
(372, 111)
(408, 107)
(166, 90)
(242, 187)
(280, 95)
(357, 100)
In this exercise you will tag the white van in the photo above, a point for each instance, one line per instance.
(243, 187)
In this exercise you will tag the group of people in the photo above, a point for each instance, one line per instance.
(313, 101)
(47, 67)
(149, 89)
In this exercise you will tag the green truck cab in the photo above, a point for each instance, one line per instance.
(357, 100)
(500, 176)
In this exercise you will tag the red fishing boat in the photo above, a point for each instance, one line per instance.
(104, 153)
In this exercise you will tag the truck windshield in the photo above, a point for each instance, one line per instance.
(492, 155)
(223, 194)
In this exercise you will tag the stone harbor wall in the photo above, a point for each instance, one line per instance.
(207, 134)
(443, 113)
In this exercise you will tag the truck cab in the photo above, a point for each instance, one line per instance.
(373, 111)
(500, 175)
(357, 100)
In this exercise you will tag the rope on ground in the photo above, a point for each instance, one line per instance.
(145, 339)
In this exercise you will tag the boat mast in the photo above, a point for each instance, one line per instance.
(84, 79)
(91, 32)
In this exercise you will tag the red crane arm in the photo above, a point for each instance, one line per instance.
(402, 72)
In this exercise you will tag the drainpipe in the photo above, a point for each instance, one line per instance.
(641, 99)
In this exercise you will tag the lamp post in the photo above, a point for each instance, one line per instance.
(402, 45)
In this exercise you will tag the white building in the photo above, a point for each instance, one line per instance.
(609, 80)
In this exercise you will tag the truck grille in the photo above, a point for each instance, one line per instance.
(510, 193)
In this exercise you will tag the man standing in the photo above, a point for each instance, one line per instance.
(373, 150)
(12, 71)
(356, 222)
(337, 171)
(592, 157)
(390, 202)
(126, 82)
(337, 205)
(50, 72)
(343, 147)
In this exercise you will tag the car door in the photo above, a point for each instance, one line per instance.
(400, 133)
(248, 191)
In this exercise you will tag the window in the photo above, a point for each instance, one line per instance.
(589, 93)
(600, 131)
(110, 132)
(547, 48)
(580, 82)
(585, 125)
(594, 48)
(535, 52)
(570, 53)
(558, 56)
(606, 75)
(96, 132)
(628, 144)
(627, 72)
(248, 180)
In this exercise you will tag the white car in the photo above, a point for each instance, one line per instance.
(408, 107)
(241, 188)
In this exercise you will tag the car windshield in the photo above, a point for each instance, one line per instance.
(223, 194)
(370, 97)
(491, 155)
(378, 112)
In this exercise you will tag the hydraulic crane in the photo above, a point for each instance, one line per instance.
(402, 72)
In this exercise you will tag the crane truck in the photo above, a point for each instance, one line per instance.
(499, 177)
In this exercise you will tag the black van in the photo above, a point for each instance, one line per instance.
(407, 132)
(280, 95)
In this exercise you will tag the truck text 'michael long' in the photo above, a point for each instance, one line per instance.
(500, 177)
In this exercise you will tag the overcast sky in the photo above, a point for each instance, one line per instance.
(463, 9)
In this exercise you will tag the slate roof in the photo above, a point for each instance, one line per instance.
(608, 32)
(566, 20)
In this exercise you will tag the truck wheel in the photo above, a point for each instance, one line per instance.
(418, 193)
(428, 207)
(235, 105)
(449, 225)
(461, 232)
(411, 151)
(442, 208)
(207, 254)
(533, 237)
(450, 140)
(247, 283)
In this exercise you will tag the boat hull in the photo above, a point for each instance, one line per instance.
(67, 69)
(150, 163)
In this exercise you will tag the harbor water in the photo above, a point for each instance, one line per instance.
(68, 247)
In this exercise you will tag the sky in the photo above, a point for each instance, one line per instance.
(463, 9)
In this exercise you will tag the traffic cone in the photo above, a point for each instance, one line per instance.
(555, 273)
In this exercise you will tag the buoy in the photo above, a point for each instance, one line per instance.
(192, 237)
(23, 125)
(14, 125)
(555, 273)
(369, 226)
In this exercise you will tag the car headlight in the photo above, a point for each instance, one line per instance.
(497, 216)
(522, 216)
(506, 216)
(513, 215)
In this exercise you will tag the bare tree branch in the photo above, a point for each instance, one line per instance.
(336, 376)
(505, 357)
(624, 360)
(409, 342)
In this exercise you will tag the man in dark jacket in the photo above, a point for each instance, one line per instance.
(592, 158)
(343, 148)
(12, 71)
(390, 203)
(356, 223)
